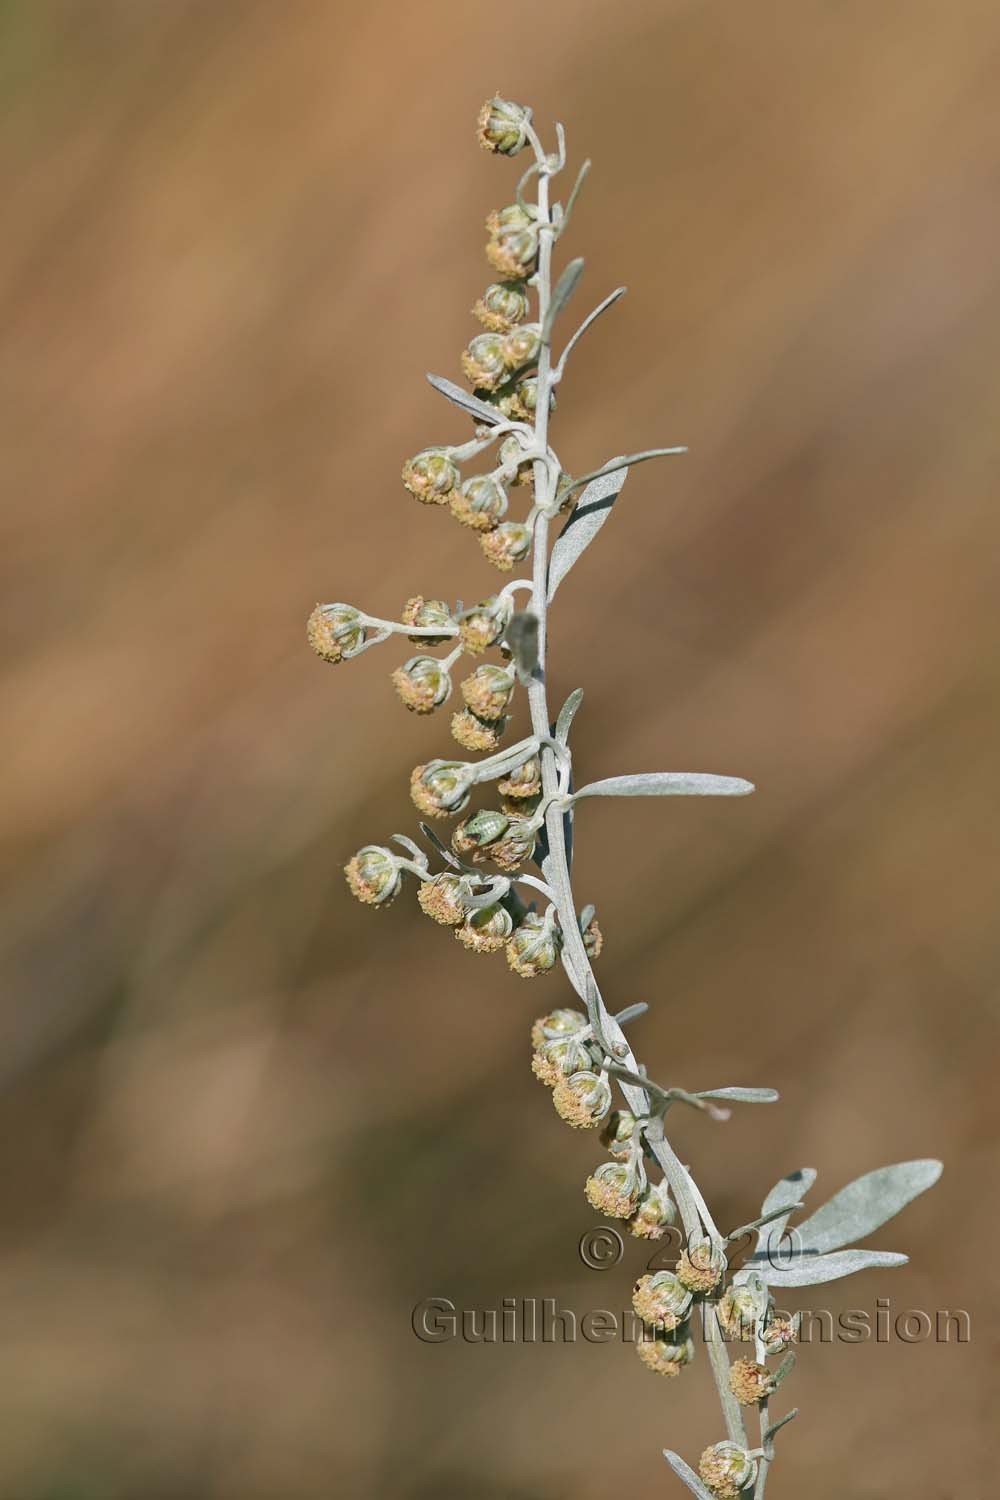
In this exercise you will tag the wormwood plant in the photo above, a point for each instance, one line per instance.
(481, 888)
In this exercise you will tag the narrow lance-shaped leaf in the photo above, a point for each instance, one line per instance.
(790, 1189)
(567, 714)
(561, 293)
(589, 515)
(687, 1474)
(470, 404)
(812, 1270)
(740, 1095)
(866, 1204)
(667, 784)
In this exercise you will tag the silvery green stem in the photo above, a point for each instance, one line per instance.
(556, 867)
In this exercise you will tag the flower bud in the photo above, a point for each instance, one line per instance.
(509, 453)
(727, 1469)
(583, 1099)
(473, 733)
(484, 625)
(618, 1131)
(535, 947)
(422, 683)
(441, 788)
(702, 1266)
(484, 362)
(488, 691)
(524, 782)
(740, 1309)
(431, 476)
(521, 345)
(665, 1357)
(750, 1382)
(614, 1188)
(502, 126)
(503, 305)
(445, 898)
(335, 631)
(661, 1300)
(508, 544)
(654, 1212)
(426, 612)
(374, 875)
(486, 929)
(480, 502)
(474, 833)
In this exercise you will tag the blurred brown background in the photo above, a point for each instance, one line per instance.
(247, 1124)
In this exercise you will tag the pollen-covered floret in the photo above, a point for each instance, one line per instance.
(661, 1300)
(535, 946)
(739, 1309)
(502, 306)
(373, 875)
(480, 502)
(521, 345)
(422, 683)
(488, 691)
(440, 788)
(507, 544)
(582, 1100)
(486, 929)
(750, 1382)
(556, 1025)
(444, 898)
(613, 1189)
(780, 1333)
(664, 1356)
(474, 733)
(702, 1266)
(502, 126)
(524, 782)
(484, 362)
(727, 1469)
(431, 476)
(335, 631)
(654, 1213)
(484, 625)
(426, 612)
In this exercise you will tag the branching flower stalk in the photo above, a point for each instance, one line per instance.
(580, 1055)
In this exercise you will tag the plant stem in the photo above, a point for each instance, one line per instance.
(556, 867)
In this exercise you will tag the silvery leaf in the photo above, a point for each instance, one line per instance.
(811, 1270)
(667, 784)
(789, 1190)
(567, 714)
(688, 1475)
(740, 1095)
(562, 292)
(866, 1204)
(471, 404)
(588, 516)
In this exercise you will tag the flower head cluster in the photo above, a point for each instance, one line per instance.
(505, 485)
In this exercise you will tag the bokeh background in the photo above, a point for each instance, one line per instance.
(246, 1124)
